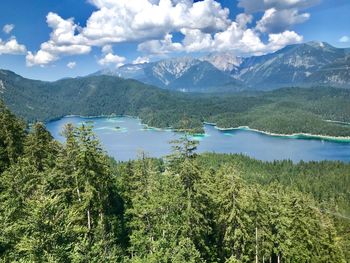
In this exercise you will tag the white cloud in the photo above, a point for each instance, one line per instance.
(250, 43)
(244, 19)
(63, 41)
(125, 20)
(50, 52)
(40, 58)
(344, 39)
(110, 58)
(8, 28)
(280, 40)
(107, 49)
(160, 47)
(275, 20)
(235, 38)
(239, 40)
(72, 64)
(196, 40)
(118, 21)
(63, 30)
(11, 47)
(252, 6)
(205, 24)
(141, 60)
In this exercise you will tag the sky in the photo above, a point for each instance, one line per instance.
(53, 39)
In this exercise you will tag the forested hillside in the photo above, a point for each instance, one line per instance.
(71, 203)
(289, 110)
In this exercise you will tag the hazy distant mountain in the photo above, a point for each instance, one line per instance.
(289, 66)
(312, 63)
(335, 74)
(225, 61)
(184, 73)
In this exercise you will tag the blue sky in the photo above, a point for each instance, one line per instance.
(53, 39)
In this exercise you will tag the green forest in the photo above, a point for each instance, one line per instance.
(283, 111)
(72, 203)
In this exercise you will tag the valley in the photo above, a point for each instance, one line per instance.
(283, 111)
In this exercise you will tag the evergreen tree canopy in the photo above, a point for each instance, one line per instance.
(71, 203)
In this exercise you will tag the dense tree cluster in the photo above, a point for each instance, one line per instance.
(71, 203)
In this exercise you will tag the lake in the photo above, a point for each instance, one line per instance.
(124, 138)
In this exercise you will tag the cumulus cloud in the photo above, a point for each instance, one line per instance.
(40, 58)
(252, 6)
(72, 64)
(275, 20)
(63, 41)
(248, 41)
(11, 47)
(141, 60)
(111, 59)
(196, 40)
(50, 52)
(160, 47)
(242, 41)
(8, 28)
(243, 20)
(125, 20)
(205, 25)
(344, 39)
(107, 49)
(280, 40)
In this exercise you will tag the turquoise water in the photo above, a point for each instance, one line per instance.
(124, 138)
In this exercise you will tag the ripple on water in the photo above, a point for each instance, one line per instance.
(87, 122)
(114, 129)
(145, 128)
(116, 120)
(199, 137)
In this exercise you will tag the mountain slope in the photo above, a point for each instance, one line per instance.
(293, 110)
(335, 74)
(290, 66)
(185, 74)
(295, 65)
(224, 61)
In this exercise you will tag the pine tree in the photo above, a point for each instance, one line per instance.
(17, 184)
(183, 149)
(91, 188)
(231, 220)
(12, 135)
(183, 163)
(40, 147)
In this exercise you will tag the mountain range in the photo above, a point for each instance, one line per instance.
(307, 64)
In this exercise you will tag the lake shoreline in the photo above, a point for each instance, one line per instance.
(340, 139)
(138, 136)
(291, 136)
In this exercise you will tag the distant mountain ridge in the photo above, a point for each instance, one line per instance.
(294, 65)
(307, 64)
(184, 74)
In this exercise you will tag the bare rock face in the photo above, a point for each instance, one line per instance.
(307, 64)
